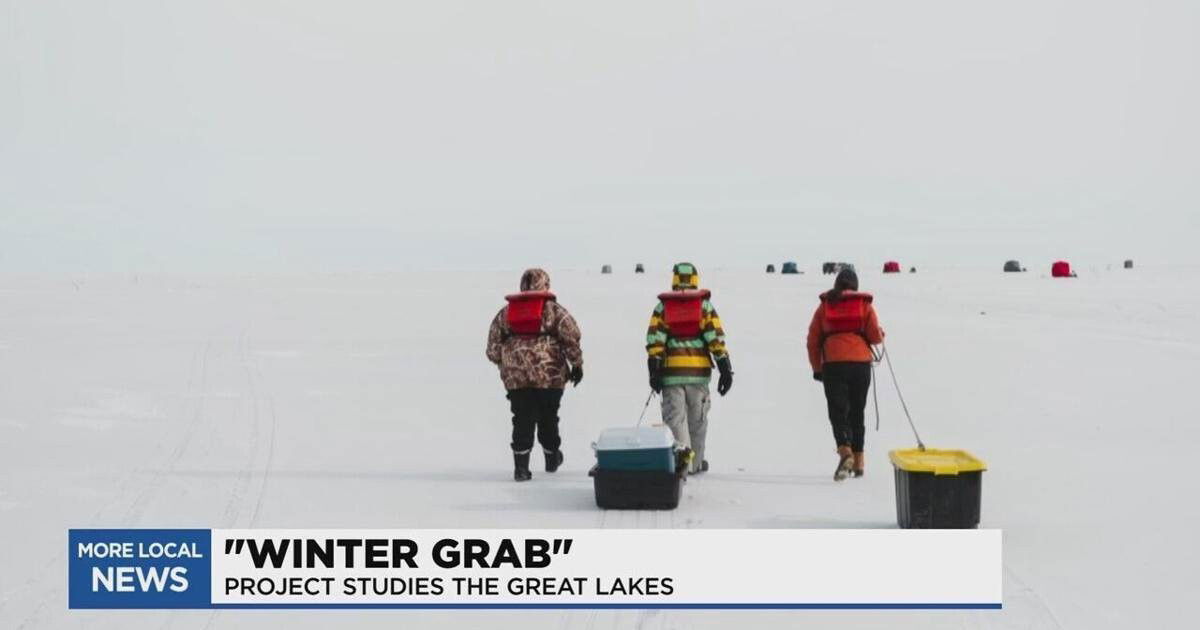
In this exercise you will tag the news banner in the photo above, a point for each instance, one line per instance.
(556, 569)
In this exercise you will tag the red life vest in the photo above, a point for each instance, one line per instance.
(683, 311)
(525, 311)
(848, 315)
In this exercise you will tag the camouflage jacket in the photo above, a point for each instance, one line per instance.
(542, 361)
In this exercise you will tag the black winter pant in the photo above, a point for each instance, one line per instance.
(535, 408)
(846, 389)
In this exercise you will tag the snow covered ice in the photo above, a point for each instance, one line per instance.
(365, 400)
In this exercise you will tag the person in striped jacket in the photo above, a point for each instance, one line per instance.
(683, 342)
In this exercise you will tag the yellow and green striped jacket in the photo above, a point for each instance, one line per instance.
(686, 361)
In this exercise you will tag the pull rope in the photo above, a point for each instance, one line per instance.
(888, 357)
(875, 359)
(875, 394)
(645, 407)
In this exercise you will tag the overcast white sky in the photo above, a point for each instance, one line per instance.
(303, 135)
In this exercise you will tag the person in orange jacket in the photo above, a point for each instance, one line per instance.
(843, 329)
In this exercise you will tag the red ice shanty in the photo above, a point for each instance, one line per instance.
(1061, 269)
(891, 266)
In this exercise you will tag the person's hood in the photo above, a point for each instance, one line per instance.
(535, 280)
(685, 276)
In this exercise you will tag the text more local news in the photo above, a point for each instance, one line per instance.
(138, 579)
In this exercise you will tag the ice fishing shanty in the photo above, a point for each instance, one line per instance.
(1061, 269)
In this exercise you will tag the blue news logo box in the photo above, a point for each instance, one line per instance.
(140, 568)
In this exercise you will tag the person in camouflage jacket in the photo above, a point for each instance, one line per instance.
(535, 369)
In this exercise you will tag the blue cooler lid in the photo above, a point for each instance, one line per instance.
(634, 438)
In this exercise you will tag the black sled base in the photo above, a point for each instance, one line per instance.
(636, 489)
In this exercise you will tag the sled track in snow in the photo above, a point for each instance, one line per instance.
(255, 376)
(1032, 610)
(133, 513)
(243, 474)
(631, 519)
(197, 380)
(260, 455)
(261, 440)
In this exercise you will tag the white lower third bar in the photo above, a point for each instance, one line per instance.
(601, 568)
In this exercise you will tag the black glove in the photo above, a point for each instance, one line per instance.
(576, 375)
(817, 376)
(654, 365)
(726, 380)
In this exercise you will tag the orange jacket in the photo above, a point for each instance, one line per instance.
(841, 347)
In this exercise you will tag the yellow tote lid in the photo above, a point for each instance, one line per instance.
(935, 460)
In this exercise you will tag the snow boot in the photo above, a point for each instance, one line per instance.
(859, 461)
(554, 459)
(683, 462)
(845, 463)
(521, 467)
